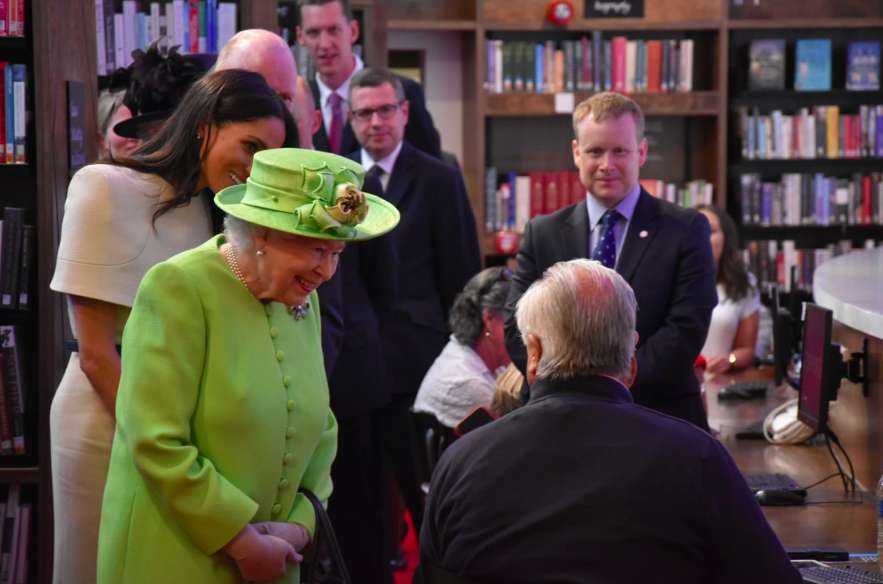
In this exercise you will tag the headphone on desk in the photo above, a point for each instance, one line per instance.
(781, 425)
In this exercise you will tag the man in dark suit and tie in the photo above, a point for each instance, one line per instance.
(328, 30)
(437, 247)
(661, 249)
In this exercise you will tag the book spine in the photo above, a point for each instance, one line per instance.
(21, 563)
(10, 112)
(28, 255)
(100, 42)
(19, 81)
(14, 384)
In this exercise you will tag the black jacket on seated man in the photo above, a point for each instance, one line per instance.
(581, 486)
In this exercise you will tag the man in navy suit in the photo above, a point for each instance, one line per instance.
(437, 247)
(328, 30)
(661, 249)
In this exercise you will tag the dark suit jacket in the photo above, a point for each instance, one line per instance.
(671, 270)
(364, 285)
(437, 247)
(420, 130)
(626, 494)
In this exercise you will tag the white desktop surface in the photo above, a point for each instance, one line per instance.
(851, 286)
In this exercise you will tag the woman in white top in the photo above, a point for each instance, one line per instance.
(732, 335)
(119, 221)
(463, 375)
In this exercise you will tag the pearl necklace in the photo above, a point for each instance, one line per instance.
(299, 312)
(230, 256)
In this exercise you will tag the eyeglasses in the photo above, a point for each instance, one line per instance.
(385, 112)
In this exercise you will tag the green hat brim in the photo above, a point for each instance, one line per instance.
(382, 216)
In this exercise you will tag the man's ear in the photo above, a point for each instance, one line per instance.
(300, 35)
(534, 354)
(406, 108)
(317, 121)
(633, 373)
(354, 31)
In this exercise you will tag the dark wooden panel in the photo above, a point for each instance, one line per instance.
(258, 14)
(696, 103)
(430, 10)
(676, 12)
(807, 9)
(63, 34)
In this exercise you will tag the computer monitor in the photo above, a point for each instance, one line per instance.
(819, 370)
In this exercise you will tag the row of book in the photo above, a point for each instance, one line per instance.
(512, 199)
(17, 259)
(12, 18)
(771, 261)
(197, 26)
(820, 132)
(617, 64)
(811, 199)
(16, 534)
(12, 393)
(13, 113)
(812, 67)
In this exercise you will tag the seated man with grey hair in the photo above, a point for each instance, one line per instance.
(583, 485)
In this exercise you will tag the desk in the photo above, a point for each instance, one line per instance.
(851, 526)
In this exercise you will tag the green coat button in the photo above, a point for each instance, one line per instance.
(289, 432)
(276, 509)
(286, 381)
(290, 405)
(274, 332)
(280, 355)
(283, 484)
(287, 458)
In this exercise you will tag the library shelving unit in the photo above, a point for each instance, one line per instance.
(841, 23)
(520, 131)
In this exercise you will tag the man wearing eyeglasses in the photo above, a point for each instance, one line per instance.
(328, 31)
(437, 246)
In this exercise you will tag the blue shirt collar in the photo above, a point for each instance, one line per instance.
(626, 207)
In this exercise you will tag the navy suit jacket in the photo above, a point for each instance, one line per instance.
(437, 247)
(367, 286)
(625, 494)
(420, 130)
(666, 258)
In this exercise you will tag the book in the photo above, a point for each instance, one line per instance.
(767, 65)
(812, 70)
(10, 252)
(21, 561)
(27, 265)
(13, 382)
(863, 66)
(8, 530)
(19, 93)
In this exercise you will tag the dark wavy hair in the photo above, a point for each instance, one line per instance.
(487, 289)
(731, 271)
(219, 98)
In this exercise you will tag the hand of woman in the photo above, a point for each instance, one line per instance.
(260, 557)
(718, 364)
(294, 533)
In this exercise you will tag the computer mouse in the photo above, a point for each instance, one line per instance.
(781, 497)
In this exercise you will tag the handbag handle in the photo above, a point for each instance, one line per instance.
(324, 530)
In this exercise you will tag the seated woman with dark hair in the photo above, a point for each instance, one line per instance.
(462, 377)
(732, 334)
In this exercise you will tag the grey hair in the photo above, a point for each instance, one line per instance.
(584, 315)
(376, 77)
(240, 233)
(486, 289)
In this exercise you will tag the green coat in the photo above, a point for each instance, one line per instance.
(222, 413)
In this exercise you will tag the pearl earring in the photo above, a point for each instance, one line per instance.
(487, 333)
(259, 252)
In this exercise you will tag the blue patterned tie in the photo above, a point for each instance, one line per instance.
(605, 250)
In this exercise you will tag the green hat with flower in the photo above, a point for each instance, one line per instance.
(309, 193)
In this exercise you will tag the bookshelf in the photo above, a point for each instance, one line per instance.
(521, 131)
(831, 178)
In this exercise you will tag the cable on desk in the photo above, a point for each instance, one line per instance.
(819, 482)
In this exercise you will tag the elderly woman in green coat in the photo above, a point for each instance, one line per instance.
(222, 414)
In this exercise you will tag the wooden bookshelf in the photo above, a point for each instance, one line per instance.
(708, 110)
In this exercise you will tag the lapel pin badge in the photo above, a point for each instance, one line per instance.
(643, 234)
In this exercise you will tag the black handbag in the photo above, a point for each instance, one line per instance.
(323, 563)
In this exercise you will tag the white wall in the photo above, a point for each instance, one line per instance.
(443, 84)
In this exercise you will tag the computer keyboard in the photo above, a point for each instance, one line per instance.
(817, 573)
(771, 482)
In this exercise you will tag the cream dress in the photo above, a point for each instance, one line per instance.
(108, 242)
